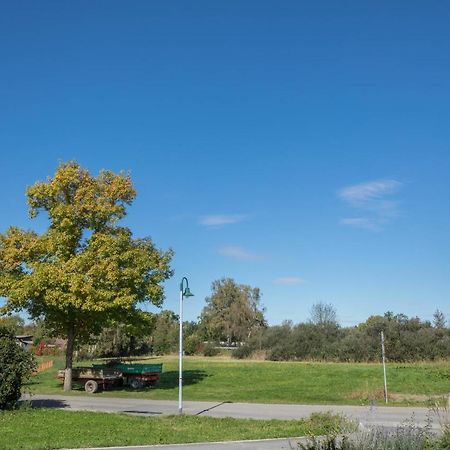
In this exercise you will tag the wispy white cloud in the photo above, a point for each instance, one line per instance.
(237, 252)
(369, 199)
(365, 193)
(288, 280)
(217, 220)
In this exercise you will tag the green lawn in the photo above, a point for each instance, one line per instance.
(282, 382)
(50, 429)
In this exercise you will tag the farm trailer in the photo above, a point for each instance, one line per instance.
(136, 376)
(94, 379)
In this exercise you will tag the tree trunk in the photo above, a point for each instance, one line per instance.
(69, 357)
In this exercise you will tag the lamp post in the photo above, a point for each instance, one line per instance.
(184, 292)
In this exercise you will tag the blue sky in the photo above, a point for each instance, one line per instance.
(303, 148)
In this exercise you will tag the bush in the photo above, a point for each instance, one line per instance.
(52, 351)
(192, 344)
(210, 350)
(242, 352)
(84, 353)
(281, 353)
(16, 366)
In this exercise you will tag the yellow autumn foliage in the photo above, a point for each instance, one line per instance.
(85, 270)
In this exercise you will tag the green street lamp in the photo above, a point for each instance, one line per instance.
(184, 292)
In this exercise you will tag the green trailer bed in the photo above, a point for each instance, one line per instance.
(135, 375)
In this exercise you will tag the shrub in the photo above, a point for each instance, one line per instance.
(242, 352)
(210, 350)
(84, 353)
(192, 344)
(280, 353)
(16, 366)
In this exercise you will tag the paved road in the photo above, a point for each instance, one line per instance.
(264, 444)
(365, 415)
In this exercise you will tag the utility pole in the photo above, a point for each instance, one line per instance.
(384, 367)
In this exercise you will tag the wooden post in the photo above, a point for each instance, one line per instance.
(384, 368)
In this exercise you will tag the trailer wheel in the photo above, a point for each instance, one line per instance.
(136, 383)
(91, 386)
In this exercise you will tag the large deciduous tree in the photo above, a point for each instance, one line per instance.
(233, 311)
(85, 270)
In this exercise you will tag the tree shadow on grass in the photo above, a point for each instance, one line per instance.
(169, 380)
(45, 403)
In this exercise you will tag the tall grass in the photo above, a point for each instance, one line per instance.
(405, 437)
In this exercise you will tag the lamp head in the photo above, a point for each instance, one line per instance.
(187, 292)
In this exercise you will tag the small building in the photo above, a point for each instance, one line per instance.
(25, 340)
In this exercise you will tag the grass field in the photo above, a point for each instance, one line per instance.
(282, 382)
(50, 429)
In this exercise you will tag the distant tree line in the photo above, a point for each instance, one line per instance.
(407, 339)
(234, 319)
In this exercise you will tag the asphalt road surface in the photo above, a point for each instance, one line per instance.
(264, 444)
(365, 415)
